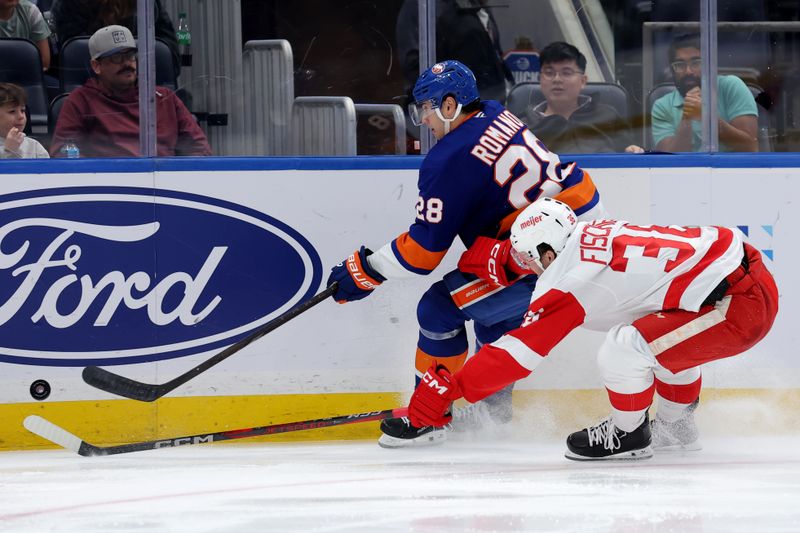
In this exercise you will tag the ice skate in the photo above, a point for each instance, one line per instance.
(680, 435)
(490, 413)
(604, 441)
(478, 416)
(399, 433)
(471, 417)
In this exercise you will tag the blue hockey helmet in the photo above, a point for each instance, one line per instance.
(447, 78)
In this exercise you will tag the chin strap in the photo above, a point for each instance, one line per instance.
(447, 121)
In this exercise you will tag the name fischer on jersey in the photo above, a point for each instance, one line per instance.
(595, 244)
(496, 137)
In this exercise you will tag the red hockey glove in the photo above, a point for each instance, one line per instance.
(491, 260)
(430, 403)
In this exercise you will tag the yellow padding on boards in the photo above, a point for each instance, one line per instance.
(540, 413)
(111, 422)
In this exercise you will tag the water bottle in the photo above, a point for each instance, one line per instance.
(184, 40)
(70, 149)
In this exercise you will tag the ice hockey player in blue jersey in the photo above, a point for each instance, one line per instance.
(485, 167)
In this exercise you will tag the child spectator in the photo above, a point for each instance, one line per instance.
(14, 144)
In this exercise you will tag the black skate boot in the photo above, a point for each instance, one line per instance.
(678, 436)
(399, 433)
(604, 441)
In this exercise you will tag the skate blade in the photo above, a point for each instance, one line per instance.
(633, 455)
(434, 438)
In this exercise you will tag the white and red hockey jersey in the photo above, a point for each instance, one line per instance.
(610, 272)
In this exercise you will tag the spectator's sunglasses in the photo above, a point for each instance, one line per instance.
(123, 57)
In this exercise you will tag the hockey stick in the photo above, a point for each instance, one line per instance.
(58, 435)
(102, 379)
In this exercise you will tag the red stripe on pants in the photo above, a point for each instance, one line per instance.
(679, 393)
(632, 402)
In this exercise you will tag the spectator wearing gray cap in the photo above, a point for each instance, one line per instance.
(102, 116)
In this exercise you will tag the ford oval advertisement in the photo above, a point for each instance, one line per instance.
(120, 275)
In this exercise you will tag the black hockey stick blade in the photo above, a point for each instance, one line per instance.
(102, 379)
(58, 435)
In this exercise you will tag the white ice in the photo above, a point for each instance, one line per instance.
(747, 484)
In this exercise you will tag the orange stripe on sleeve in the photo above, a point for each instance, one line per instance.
(578, 195)
(453, 363)
(417, 256)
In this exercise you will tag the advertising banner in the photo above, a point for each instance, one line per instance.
(149, 274)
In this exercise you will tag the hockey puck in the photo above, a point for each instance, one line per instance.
(40, 389)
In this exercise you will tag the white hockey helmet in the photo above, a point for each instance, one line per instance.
(545, 221)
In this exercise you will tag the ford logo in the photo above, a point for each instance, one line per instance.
(119, 275)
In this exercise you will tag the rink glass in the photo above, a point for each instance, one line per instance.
(360, 53)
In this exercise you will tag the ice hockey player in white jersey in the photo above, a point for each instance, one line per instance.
(671, 298)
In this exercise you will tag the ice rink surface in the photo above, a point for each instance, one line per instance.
(747, 484)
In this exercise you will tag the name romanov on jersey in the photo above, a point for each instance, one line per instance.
(496, 137)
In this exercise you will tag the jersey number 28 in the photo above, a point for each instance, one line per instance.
(534, 158)
(430, 210)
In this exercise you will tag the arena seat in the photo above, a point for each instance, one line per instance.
(20, 63)
(381, 129)
(273, 116)
(268, 73)
(323, 126)
(523, 95)
(55, 110)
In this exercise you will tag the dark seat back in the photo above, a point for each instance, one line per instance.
(74, 59)
(55, 109)
(380, 129)
(529, 93)
(76, 68)
(21, 64)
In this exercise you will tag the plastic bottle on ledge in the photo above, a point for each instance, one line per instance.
(70, 149)
(184, 40)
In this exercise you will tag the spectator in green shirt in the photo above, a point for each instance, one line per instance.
(676, 115)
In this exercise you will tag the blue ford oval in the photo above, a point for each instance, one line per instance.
(119, 275)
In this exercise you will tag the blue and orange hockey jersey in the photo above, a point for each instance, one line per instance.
(473, 182)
